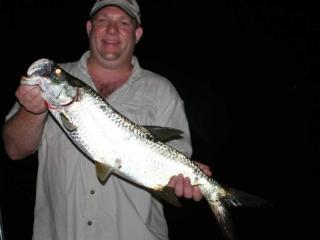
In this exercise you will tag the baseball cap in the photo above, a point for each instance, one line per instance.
(129, 6)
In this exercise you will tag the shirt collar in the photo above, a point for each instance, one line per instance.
(136, 71)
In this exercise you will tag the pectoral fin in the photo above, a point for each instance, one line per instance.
(167, 194)
(67, 123)
(103, 171)
(164, 134)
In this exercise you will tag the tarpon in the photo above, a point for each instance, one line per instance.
(119, 146)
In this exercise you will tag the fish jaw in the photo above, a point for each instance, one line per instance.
(31, 81)
(39, 67)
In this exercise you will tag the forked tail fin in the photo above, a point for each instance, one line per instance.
(230, 197)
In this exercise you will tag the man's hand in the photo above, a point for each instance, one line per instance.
(183, 187)
(30, 98)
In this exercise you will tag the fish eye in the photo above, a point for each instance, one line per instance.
(57, 71)
(56, 76)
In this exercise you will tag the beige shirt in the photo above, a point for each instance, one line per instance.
(71, 204)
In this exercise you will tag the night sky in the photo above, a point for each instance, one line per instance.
(248, 74)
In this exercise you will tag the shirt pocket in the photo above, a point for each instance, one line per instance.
(140, 113)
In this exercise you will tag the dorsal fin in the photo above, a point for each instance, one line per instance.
(164, 134)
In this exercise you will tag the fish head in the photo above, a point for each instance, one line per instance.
(53, 81)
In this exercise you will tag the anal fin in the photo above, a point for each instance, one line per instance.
(167, 193)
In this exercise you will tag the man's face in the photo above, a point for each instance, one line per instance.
(113, 34)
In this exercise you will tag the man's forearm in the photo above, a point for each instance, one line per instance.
(22, 133)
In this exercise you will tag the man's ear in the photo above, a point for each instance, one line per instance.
(139, 33)
(88, 27)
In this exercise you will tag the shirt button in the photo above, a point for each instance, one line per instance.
(92, 192)
(89, 223)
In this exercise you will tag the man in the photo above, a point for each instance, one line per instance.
(71, 203)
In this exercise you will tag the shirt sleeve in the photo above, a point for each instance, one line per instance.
(171, 113)
(13, 111)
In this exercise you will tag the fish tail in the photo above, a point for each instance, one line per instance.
(229, 197)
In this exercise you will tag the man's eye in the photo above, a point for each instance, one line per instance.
(100, 20)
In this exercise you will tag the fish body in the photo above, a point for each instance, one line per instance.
(119, 146)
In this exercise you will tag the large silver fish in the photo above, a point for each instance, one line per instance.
(122, 147)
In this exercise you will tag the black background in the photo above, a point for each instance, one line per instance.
(248, 73)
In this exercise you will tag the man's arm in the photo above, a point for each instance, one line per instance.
(22, 132)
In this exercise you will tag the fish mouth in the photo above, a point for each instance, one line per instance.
(41, 67)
